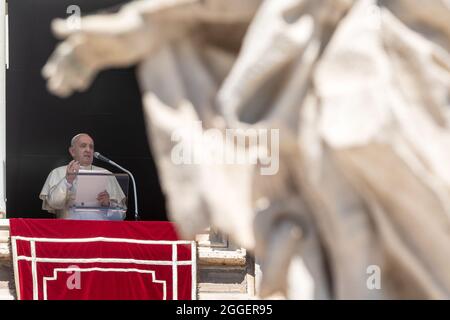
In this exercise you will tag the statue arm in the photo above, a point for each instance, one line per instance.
(101, 41)
(126, 37)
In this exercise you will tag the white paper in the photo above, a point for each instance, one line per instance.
(89, 187)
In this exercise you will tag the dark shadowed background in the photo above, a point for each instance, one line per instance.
(40, 125)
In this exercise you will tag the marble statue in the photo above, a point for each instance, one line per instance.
(348, 197)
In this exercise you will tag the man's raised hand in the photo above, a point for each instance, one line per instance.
(72, 170)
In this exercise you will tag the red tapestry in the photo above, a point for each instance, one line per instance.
(101, 260)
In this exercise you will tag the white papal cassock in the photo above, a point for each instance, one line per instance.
(58, 195)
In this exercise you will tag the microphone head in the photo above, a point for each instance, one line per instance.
(100, 157)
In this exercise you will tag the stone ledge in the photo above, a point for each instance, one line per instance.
(5, 294)
(4, 230)
(4, 224)
(222, 279)
(4, 253)
(4, 238)
(210, 256)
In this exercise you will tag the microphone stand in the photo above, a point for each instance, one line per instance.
(136, 215)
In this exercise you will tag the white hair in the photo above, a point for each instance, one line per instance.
(75, 138)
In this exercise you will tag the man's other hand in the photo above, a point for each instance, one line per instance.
(72, 170)
(103, 198)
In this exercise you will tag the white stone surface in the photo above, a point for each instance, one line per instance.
(6, 273)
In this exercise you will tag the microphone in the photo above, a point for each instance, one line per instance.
(100, 157)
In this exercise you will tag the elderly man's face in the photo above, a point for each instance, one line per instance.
(83, 150)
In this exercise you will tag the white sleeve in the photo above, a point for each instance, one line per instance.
(57, 196)
(54, 194)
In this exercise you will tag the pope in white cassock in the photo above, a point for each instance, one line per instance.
(58, 193)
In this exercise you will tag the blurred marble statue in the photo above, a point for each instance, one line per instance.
(359, 204)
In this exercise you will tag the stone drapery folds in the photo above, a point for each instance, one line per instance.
(359, 91)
